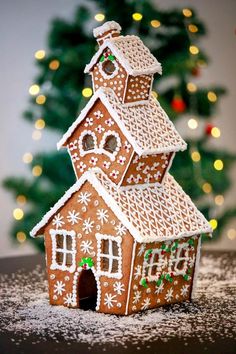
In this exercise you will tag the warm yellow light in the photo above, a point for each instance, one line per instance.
(218, 165)
(40, 54)
(213, 223)
(87, 92)
(193, 49)
(219, 199)
(36, 135)
(54, 64)
(34, 89)
(39, 124)
(27, 157)
(211, 96)
(37, 171)
(21, 236)
(231, 234)
(99, 17)
(40, 99)
(215, 132)
(207, 188)
(196, 157)
(192, 123)
(191, 87)
(137, 16)
(155, 94)
(18, 214)
(192, 28)
(187, 12)
(155, 23)
(21, 199)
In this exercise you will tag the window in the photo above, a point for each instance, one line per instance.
(180, 261)
(154, 263)
(109, 260)
(110, 144)
(108, 67)
(88, 142)
(63, 250)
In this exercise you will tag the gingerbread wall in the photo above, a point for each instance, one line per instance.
(138, 88)
(87, 215)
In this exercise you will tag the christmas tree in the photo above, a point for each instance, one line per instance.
(61, 89)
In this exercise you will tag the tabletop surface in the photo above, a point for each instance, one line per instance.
(28, 324)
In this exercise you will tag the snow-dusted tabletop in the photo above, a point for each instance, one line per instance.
(28, 324)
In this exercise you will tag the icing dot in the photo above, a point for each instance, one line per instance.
(84, 209)
(54, 297)
(105, 284)
(67, 278)
(96, 202)
(148, 291)
(119, 304)
(52, 276)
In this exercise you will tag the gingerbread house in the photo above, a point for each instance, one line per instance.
(125, 237)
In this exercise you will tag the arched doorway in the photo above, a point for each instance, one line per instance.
(87, 290)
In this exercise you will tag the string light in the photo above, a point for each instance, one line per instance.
(36, 135)
(192, 28)
(155, 94)
(27, 157)
(193, 49)
(40, 54)
(40, 99)
(99, 17)
(192, 123)
(137, 16)
(37, 170)
(155, 23)
(207, 188)
(218, 165)
(187, 12)
(34, 89)
(231, 234)
(21, 199)
(21, 236)
(54, 64)
(87, 92)
(191, 87)
(211, 96)
(18, 213)
(219, 199)
(39, 124)
(196, 157)
(213, 223)
(215, 132)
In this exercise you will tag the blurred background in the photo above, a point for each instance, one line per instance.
(24, 27)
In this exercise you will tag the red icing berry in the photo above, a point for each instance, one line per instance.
(85, 266)
(162, 252)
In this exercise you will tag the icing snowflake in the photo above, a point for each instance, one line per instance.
(146, 303)
(102, 215)
(73, 217)
(100, 129)
(73, 145)
(98, 114)
(136, 297)
(109, 122)
(157, 175)
(59, 288)
(84, 198)
(127, 146)
(106, 164)
(109, 300)
(93, 160)
(88, 225)
(89, 122)
(81, 166)
(118, 287)
(142, 249)
(86, 247)
(155, 165)
(137, 271)
(120, 229)
(159, 288)
(169, 295)
(184, 290)
(68, 299)
(75, 157)
(114, 174)
(57, 220)
(140, 166)
(121, 160)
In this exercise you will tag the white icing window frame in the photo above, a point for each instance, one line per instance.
(64, 250)
(103, 141)
(173, 267)
(80, 142)
(102, 72)
(149, 264)
(110, 256)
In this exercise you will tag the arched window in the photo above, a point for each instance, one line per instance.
(88, 142)
(108, 67)
(110, 144)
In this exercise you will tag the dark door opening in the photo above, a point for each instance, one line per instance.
(87, 290)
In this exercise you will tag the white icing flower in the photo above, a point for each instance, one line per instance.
(93, 160)
(140, 166)
(121, 160)
(88, 122)
(169, 295)
(59, 288)
(155, 165)
(73, 145)
(81, 166)
(88, 225)
(127, 146)
(102, 215)
(130, 179)
(98, 114)
(137, 271)
(184, 290)
(136, 297)
(114, 174)
(100, 129)
(138, 178)
(109, 300)
(157, 175)
(164, 156)
(57, 220)
(146, 169)
(146, 303)
(148, 177)
(120, 229)
(84, 198)
(106, 164)
(136, 159)
(86, 247)
(109, 122)
(73, 217)
(75, 157)
(118, 287)
(68, 299)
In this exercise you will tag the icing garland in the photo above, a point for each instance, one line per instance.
(86, 263)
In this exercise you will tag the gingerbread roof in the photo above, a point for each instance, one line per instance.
(150, 212)
(146, 126)
(133, 55)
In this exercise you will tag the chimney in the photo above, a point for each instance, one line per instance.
(108, 30)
